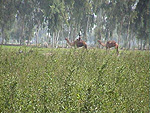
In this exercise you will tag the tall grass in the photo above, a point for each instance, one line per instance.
(73, 80)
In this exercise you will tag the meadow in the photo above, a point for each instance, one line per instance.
(73, 80)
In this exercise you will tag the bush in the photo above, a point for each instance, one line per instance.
(73, 80)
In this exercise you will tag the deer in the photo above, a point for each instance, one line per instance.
(77, 43)
(110, 44)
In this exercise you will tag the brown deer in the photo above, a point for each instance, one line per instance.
(77, 43)
(110, 44)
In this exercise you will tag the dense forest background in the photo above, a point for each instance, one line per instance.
(51, 21)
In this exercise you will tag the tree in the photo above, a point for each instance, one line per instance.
(141, 21)
(25, 15)
(7, 16)
(127, 19)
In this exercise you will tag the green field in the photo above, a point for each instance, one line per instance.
(73, 80)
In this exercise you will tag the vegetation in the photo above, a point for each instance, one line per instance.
(73, 80)
(124, 21)
(34, 79)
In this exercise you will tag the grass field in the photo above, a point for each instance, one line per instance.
(73, 80)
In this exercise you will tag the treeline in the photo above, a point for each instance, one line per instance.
(127, 20)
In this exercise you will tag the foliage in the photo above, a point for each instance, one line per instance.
(73, 80)
(7, 17)
(66, 18)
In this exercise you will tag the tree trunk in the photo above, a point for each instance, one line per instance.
(62, 33)
(144, 44)
(128, 33)
(133, 41)
(119, 35)
(22, 31)
(53, 38)
(49, 38)
(70, 35)
(57, 38)
(141, 44)
(3, 35)
(138, 44)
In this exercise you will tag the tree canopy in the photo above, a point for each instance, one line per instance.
(124, 21)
